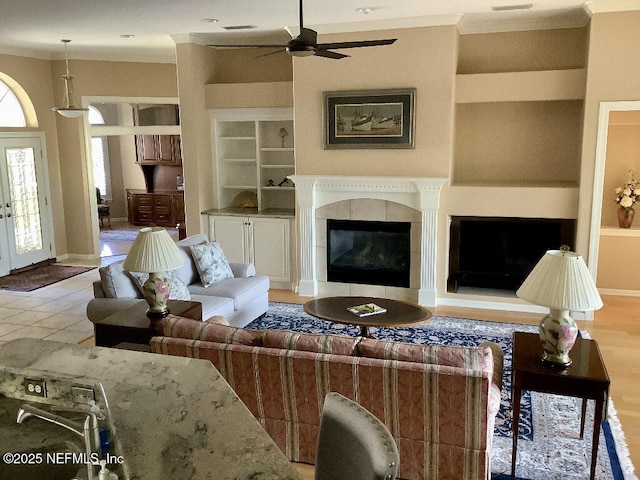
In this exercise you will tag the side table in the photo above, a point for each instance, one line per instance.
(586, 378)
(132, 325)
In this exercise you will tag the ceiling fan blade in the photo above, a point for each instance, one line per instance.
(248, 46)
(270, 53)
(328, 54)
(363, 43)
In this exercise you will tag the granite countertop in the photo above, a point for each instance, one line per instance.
(252, 212)
(175, 418)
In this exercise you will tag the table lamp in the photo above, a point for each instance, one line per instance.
(562, 282)
(154, 252)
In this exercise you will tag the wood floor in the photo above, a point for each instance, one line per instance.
(616, 328)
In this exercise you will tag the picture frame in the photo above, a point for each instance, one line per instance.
(369, 119)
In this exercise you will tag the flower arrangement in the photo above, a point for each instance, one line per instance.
(629, 194)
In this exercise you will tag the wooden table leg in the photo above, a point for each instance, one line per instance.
(582, 417)
(597, 423)
(515, 401)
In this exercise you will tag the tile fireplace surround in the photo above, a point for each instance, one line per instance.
(421, 194)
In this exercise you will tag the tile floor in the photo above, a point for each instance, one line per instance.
(57, 312)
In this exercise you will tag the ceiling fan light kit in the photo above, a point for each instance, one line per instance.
(306, 44)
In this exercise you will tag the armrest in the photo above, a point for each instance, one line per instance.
(243, 270)
(98, 291)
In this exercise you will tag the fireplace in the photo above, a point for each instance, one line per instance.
(499, 252)
(401, 199)
(369, 252)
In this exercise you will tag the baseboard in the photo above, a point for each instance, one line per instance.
(621, 293)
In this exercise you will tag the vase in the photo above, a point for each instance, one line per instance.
(625, 217)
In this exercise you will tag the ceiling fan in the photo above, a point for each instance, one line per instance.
(306, 44)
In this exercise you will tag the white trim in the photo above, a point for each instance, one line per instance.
(598, 176)
(420, 193)
(620, 293)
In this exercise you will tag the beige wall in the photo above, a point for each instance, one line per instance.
(34, 76)
(67, 164)
(94, 78)
(613, 75)
(422, 58)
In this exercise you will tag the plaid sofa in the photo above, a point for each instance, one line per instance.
(438, 402)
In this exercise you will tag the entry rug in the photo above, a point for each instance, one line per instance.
(549, 447)
(38, 277)
(128, 235)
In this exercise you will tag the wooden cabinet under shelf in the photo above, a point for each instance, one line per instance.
(158, 150)
(161, 209)
(263, 240)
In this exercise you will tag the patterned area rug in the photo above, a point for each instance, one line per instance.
(128, 235)
(38, 277)
(549, 447)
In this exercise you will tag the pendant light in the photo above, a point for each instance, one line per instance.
(69, 110)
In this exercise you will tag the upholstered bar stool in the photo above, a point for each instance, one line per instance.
(353, 444)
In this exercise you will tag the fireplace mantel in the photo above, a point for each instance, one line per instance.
(420, 193)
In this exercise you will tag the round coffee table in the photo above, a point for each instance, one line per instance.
(398, 314)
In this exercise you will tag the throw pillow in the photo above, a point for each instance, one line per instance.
(178, 290)
(118, 283)
(211, 263)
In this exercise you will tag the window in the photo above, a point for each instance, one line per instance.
(100, 156)
(11, 114)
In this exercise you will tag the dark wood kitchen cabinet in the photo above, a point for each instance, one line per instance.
(158, 150)
(160, 209)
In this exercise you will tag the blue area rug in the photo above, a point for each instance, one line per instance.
(549, 447)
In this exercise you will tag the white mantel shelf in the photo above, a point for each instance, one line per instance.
(420, 193)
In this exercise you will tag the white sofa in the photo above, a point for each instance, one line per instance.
(240, 299)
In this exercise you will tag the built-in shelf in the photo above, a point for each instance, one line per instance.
(254, 147)
(548, 85)
(620, 232)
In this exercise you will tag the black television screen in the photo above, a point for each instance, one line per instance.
(496, 252)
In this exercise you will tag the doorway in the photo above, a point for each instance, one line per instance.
(25, 215)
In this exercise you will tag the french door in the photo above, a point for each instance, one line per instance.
(25, 232)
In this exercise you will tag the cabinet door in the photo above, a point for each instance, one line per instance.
(178, 207)
(176, 149)
(231, 234)
(146, 149)
(271, 247)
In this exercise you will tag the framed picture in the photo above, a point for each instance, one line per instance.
(369, 119)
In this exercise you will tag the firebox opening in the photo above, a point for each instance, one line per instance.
(499, 252)
(368, 252)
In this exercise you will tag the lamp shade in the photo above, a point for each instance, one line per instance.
(153, 250)
(561, 280)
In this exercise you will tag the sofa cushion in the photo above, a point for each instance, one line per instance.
(211, 263)
(179, 327)
(188, 272)
(241, 290)
(335, 344)
(117, 283)
(212, 305)
(477, 358)
(178, 290)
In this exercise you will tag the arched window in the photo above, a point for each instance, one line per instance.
(11, 113)
(100, 156)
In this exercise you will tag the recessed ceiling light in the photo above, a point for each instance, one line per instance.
(364, 10)
(210, 20)
(507, 8)
(127, 35)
